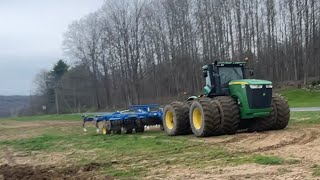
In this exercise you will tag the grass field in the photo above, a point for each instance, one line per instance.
(151, 154)
(56, 146)
(295, 97)
(132, 154)
(53, 117)
(301, 97)
(304, 118)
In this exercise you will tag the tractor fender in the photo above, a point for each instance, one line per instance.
(192, 98)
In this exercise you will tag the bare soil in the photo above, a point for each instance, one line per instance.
(38, 172)
(298, 144)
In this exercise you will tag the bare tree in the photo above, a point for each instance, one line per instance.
(143, 51)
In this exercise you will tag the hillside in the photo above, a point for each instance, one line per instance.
(10, 105)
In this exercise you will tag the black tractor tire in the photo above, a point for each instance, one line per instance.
(189, 103)
(263, 123)
(229, 114)
(281, 112)
(139, 129)
(204, 117)
(176, 119)
(161, 127)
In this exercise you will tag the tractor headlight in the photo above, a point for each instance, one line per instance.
(269, 86)
(255, 86)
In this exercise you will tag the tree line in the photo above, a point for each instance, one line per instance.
(152, 51)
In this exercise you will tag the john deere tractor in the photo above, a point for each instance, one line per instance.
(230, 102)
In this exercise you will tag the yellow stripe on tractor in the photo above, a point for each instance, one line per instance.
(241, 83)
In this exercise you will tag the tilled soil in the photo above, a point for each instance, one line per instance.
(13, 172)
(299, 143)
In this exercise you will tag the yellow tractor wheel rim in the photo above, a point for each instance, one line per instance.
(197, 118)
(169, 120)
(104, 130)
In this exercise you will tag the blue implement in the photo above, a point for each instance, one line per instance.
(136, 117)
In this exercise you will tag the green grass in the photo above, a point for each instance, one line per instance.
(130, 155)
(315, 170)
(301, 97)
(304, 118)
(268, 160)
(34, 144)
(66, 117)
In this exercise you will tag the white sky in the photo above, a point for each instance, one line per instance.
(31, 34)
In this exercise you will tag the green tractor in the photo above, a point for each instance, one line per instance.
(230, 102)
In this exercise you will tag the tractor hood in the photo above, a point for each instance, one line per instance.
(250, 82)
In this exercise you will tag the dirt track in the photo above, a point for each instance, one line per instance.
(298, 144)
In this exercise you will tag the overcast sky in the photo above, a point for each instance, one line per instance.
(31, 34)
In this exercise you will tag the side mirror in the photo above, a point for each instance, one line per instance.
(204, 74)
(251, 72)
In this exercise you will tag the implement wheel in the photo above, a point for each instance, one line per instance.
(229, 114)
(281, 112)
(116, 126)
(140, 129)
(127, 130)
(139, 126)
(106, 128)
(204, 117)
(117, 131)
(176, 119)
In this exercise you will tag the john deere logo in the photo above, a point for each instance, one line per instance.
(264, 94)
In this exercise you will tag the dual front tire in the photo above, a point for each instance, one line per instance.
(278, 119)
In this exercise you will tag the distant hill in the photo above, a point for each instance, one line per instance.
(11, 105)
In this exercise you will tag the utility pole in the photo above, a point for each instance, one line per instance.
(56, 98)
(51, 82)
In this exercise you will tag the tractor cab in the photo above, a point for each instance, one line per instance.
(229, 79)
(219, 74)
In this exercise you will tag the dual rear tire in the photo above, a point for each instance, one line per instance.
(176, 119)
(215, 116)
(203, 117)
